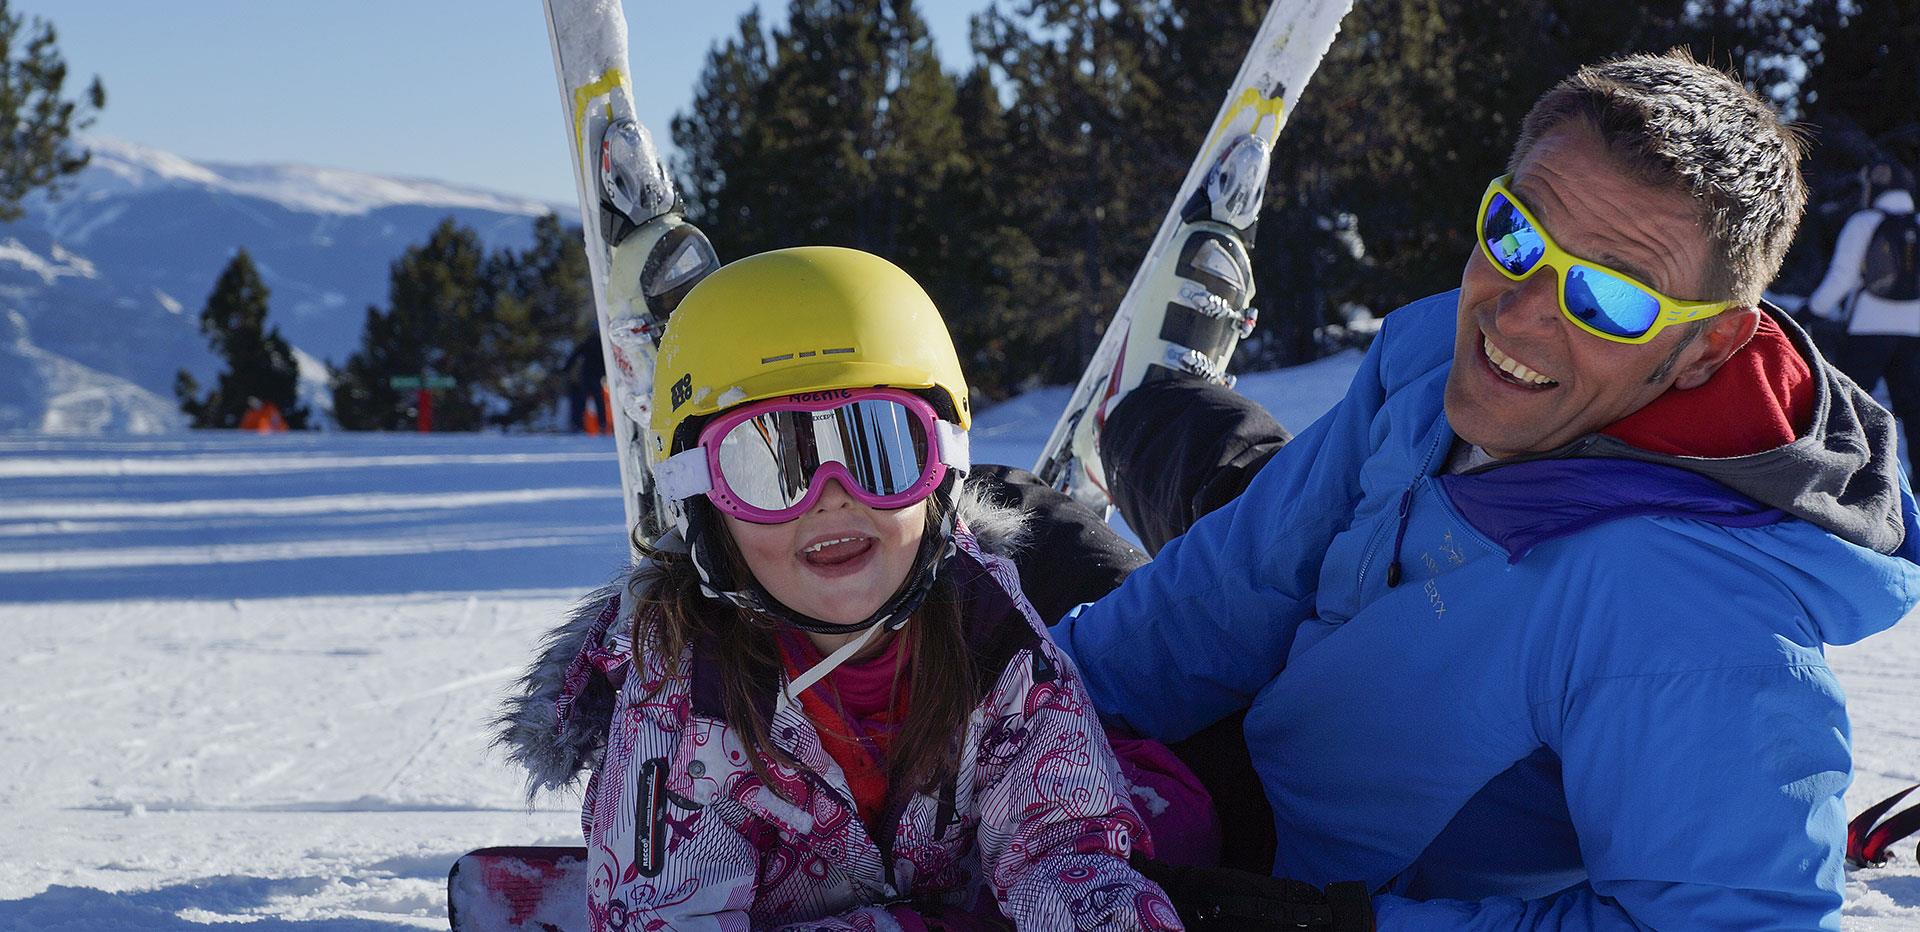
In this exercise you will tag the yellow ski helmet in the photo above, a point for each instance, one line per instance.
(808, 319)
(811, 318)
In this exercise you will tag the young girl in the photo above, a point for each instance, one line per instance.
(822, 703)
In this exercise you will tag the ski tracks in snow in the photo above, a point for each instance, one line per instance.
(242, 692)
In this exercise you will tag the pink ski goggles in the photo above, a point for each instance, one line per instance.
(768, 462)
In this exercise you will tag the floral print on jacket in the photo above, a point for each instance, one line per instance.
(681, 833)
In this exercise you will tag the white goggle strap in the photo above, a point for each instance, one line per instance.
(955, 449)
(683, 475)
(800, 684)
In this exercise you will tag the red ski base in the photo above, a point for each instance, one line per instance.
(518, 889)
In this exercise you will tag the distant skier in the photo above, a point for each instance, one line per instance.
(1872, 287)
(262, 417)
(771, 701)
(587, 387)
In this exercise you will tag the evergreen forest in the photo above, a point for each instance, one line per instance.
(1022, 186)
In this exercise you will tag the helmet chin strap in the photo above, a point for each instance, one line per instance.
(819, 671)
(716, 582)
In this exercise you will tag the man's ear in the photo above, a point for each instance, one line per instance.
(1726, 333)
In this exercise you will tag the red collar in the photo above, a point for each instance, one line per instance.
(1760, 399)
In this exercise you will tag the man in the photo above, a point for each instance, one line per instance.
(1872, 288)
(1527, 630)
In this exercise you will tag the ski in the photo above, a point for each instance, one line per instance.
(642, 253)
(518, 889)
(1867, 843)
(1196, 279)
(643, 258)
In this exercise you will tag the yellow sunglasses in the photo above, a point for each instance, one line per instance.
(1610, 305)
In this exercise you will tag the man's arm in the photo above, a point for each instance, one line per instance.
(1211, 619)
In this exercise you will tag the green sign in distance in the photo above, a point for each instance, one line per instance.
(433, 382)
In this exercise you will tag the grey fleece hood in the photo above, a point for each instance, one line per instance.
(1842, 474)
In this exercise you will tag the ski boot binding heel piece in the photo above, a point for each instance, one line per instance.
(1195, 304)
(656, 257)
(642, 222)
(633, 181)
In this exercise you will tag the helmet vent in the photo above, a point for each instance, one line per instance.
(808, 354)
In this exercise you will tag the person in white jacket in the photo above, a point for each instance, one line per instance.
(1882, 334)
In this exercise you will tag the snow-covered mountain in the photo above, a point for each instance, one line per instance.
(106, 280)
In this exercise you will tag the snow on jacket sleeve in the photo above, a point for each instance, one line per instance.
(1212, 618)
(1057, 824)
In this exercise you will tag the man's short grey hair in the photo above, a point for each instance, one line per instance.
(1672, 122)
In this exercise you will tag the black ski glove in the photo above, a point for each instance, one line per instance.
(1220, 899)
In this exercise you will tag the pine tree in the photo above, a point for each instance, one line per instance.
(833, 129)
(989, 267)
(720, 138)
(1087, 160)
(438, 301)
(260, 364)
(1861, 104)
(840, 128)
(362, 397)
(1867, 76)
(541, 308)
(36, 124)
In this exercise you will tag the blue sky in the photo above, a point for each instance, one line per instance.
(457, 90)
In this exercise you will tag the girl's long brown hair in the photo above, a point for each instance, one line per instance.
(938, 674)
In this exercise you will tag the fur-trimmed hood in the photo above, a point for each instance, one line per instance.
(555, 725)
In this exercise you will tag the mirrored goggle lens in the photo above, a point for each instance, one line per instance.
(1510, 240)
(1608, 303)
(768, 461)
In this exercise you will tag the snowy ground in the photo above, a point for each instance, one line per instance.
(248, 678)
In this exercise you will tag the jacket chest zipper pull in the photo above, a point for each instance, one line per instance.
(1393, 568)
(650, 822)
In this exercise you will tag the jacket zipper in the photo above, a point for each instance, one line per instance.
(1402, 519)
(1400, 536)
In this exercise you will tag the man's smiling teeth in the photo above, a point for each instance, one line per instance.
(816, 548)
(1512, 366)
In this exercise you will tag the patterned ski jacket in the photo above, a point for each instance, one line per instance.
(682, 834)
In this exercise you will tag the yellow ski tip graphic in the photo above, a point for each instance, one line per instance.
(1262, 107)
(584, 95)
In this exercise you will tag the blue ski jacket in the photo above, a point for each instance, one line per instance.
(1591, 696)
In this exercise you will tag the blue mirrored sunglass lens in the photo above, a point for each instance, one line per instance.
(1510, 240)
(1610, 304)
